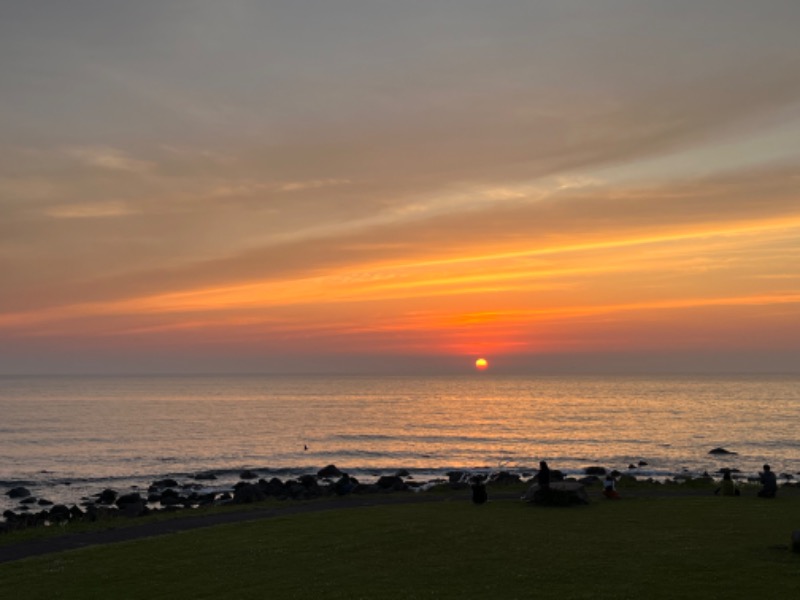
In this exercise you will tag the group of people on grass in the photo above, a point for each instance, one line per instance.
(769, 485)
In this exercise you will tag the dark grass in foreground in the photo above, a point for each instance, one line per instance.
(693, 546)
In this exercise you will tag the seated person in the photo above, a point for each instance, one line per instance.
(769, 484)
(479, 495)
(608, 488)
(727, 487)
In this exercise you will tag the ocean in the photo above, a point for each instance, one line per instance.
(67, 437)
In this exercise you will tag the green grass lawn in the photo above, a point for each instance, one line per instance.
(662, 546)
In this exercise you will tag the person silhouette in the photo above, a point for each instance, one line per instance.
(479, 494)
(543, 477)
(727, 487)
(609, 491)
(769, 484)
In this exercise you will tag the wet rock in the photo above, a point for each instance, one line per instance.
(165, 483)
(18, 492)
(720, 451)
(504, 478)
(273, 487)
(59, 513)
(248, 494)
(391, 482)
(456, 476)
(248, 474)
(171, 501)
(128, 499)
(107, 496)
(344, 485)
(595, 470)
(205, 476)
(329, 471)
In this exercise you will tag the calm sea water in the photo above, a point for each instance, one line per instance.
(67, 437)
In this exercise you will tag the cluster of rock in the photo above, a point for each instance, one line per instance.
(170, 495)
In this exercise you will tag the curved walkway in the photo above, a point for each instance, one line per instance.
(73, 541)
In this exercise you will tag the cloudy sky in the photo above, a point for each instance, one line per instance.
(370, 186)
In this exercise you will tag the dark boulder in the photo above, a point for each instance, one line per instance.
(391, 482)
(403, 473)
(344, 485)
(720, 451)
(329, 471)
(131, 505)
(296, 490)
(205, 476)
(206, 499)
(44, 502)
(107, 496)
(248, 494)
(131, 498)
(595, 470)
(311, 487)
(307, 480)
(170, 493)
(171, 500)
(59, 513)
(248, 474)
(504, 478)
(165, 483)
(274, 487)
(456, 476)
(28, 500)
(18, 492)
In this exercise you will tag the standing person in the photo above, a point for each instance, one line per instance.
(769, 484)
(543, 478)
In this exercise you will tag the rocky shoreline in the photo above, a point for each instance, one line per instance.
(169, 494)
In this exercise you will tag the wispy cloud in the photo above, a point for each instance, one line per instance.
(314, 184)
(90, 210)
(109, 158)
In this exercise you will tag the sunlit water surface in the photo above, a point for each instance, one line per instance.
(66, 437)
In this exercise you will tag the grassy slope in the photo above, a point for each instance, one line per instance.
(655, 546)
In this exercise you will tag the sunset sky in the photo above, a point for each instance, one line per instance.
(369, 186)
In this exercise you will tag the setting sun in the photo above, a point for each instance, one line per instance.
(481, 364)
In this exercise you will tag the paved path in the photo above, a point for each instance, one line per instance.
(73, 541)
